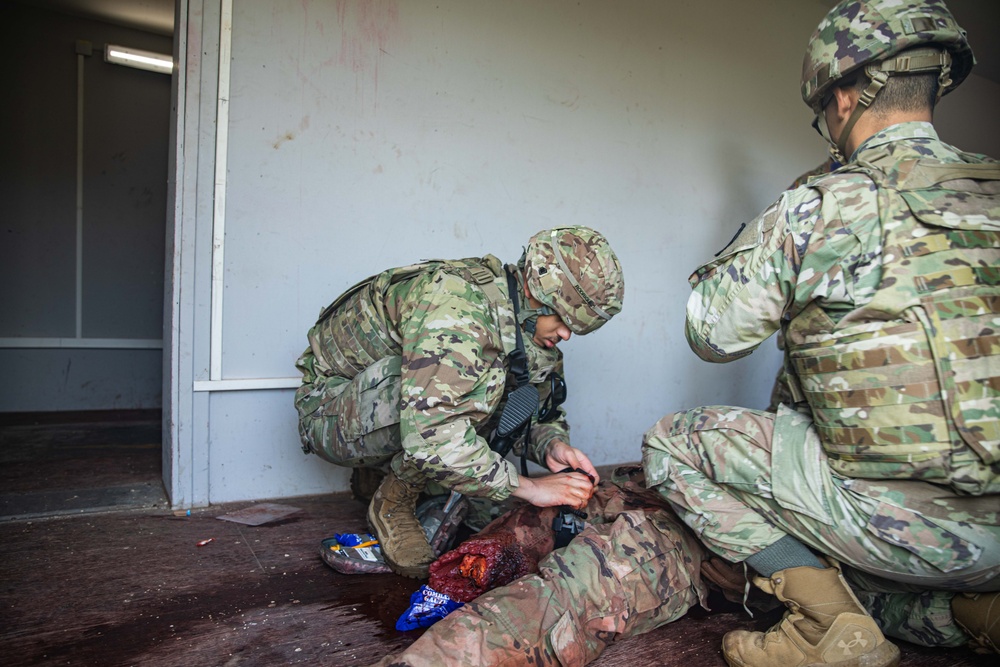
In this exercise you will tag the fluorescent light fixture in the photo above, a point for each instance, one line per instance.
(154, 62)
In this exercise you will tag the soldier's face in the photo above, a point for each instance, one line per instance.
(550, 330)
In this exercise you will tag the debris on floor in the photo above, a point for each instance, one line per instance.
(257, 515)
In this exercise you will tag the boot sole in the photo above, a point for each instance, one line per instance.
(412, 572)
(885, 654)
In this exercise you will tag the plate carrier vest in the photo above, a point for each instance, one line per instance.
(907, 386)
(353, 332)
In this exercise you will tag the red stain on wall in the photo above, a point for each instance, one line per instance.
(367, 28)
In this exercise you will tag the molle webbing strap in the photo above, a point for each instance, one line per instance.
(482, 276)
(557, 251)
(837, 360)
(907, 386)
(947, 240)
(886, 443)
(339, 301)
(901, 394)
(958, 277)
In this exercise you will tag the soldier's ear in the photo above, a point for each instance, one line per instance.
(845, 99)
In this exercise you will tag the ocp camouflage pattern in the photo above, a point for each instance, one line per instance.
(858, 32)
(908, 384)
(416, 359)
(574, 271)
(742, 479)
(819, 261)
(890, 347)
(634, 568)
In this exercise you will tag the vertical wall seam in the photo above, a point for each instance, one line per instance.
(219, 211)
(78, 328)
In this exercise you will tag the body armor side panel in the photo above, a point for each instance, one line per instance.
(908, 385)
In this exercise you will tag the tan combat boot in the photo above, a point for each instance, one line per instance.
(392, 516)
(825, 625)
(979, 615)
(365, 482)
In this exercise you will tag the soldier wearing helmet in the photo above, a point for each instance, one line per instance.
(409, 373)
(882, 278)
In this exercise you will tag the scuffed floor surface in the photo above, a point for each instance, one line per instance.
(134, 588)
(96, 570)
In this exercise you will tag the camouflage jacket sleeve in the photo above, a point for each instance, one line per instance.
(792, 254)
(452, 380)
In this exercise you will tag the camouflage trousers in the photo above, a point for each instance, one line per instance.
(742, 479)
(354, 422)
(630, 571)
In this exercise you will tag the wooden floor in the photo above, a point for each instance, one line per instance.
(112, 585)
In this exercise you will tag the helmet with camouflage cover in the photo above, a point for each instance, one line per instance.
(574, 271)
(873, 35)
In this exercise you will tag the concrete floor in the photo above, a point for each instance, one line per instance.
(120, 585)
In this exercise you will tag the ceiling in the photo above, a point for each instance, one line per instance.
(981, 18)
(155, 16)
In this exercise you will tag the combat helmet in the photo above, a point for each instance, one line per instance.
(574, 271)
(886, 38)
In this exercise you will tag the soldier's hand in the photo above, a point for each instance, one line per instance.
(573, 489)
(560, 455)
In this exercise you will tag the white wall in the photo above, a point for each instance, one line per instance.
(367, 134)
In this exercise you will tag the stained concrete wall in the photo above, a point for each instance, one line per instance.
(363, 135)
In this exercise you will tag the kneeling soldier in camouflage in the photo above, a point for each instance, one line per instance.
(884, 278)
(411, 369)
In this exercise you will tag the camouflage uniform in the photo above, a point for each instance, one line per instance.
(634, 568)
(410, 366)
(841, 471)
(780, 391)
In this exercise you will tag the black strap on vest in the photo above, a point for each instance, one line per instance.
(522, 403)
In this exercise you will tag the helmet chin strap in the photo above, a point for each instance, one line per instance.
(877, 78)
(824, 130)
(878, 73)
(528, 316)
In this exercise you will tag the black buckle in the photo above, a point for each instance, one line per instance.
(556, 397)
(568, 524)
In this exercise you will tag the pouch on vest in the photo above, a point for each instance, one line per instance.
(374, 399)
(963, 298)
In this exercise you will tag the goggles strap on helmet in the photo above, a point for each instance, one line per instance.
(572, 279)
